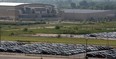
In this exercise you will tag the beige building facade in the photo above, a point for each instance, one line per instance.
(26, 11)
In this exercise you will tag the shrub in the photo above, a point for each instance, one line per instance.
(25, 29)
(57, 27)
(11, 34)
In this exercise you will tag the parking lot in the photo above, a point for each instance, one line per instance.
(48, 48)
(54, 50)
(104, 35)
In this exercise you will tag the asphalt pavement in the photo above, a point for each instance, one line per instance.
(25, 57)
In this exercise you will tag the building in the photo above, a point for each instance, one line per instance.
(25, 11)
(86, 14)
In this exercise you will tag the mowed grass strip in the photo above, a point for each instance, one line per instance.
(59, 40)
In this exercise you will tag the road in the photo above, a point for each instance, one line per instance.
(68, 36)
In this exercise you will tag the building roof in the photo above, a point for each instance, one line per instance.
(11, 4)
(83, 11)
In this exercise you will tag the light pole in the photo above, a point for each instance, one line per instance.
(0, 35)
(107, 44)
(86, 49)
(86, 45)
(41, 56)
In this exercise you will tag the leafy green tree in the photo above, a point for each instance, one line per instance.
(83, 4)
(73, 5)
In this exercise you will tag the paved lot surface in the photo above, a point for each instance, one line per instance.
(32, 57)
(5, 55)
(25, 57)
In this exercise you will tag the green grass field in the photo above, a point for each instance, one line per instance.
(65, 28)
(58, 40)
